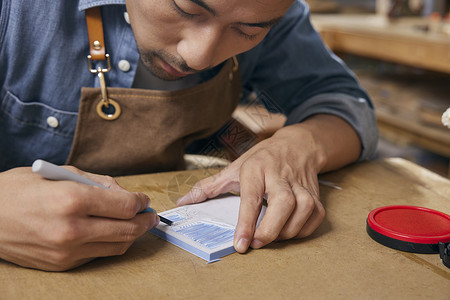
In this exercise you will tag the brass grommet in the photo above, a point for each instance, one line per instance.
(102, 105)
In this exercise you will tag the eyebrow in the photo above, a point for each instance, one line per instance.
(205, 6)
(265, 24)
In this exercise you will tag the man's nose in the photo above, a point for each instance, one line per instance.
(198, 47)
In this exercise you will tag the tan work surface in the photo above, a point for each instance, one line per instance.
(339, 261)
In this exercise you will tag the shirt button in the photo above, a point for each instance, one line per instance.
(124, 65)
(126, 17)
(52, 122)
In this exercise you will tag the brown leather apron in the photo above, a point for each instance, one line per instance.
(154, 127)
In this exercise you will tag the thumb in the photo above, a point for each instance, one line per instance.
(210, 187)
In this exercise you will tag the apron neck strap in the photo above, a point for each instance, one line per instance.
(95, 32)
(98, 53)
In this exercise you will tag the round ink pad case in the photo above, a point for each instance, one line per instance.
(409, 228)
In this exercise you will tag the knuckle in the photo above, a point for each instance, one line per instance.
(266, 235)
(108, 181)
(254, 200)
(252, 163)
(61, 260)
(129, 208)
(284, 194)
(64, 235)
(289, 233)
(132, 232)
(306, 232)
(198, 190)
(67, 204)
(287, 170)
(288, 199)
(122, 248)
(320, 213)
(308, 204)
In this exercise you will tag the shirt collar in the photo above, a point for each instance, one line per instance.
(85, 4)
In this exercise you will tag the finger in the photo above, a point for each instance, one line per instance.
(300, 215)
(46, 257)
(77, 231)
(43, 258)
(281, 203)
(118, 204)
(80, 199)
(318, 213)
(104, 180)
(252, 191)
(223, 182)
(62, 260)
(112, 230)
(313, 222)
(66, 247)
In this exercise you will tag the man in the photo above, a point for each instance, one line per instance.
(173, 79)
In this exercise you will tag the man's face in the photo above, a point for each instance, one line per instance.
(181, 37)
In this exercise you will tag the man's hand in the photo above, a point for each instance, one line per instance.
(283, 169)
(58, 225)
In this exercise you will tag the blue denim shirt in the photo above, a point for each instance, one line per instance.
(43, 65)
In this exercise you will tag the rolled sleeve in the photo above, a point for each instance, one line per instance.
(355, 111)
(294, 73)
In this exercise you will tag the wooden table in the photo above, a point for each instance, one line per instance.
(375, 36)
(339, 261)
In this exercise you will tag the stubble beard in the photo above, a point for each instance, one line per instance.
(150, 58)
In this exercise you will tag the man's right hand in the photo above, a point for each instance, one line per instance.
(59, 225)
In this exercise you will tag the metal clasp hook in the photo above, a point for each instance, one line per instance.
(107, 109)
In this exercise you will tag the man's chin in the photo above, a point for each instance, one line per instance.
(166, 76)
(160, 73)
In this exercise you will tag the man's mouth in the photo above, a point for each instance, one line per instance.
(171, 70)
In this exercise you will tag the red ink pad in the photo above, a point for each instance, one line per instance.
(409, 228)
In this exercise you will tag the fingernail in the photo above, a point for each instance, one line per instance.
(147, 198)
(156, 220)
(257, 244)
(145, 205)
(242, 245)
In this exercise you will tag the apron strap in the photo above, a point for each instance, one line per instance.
(97, 50)
(95, 32)
(96, 40)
